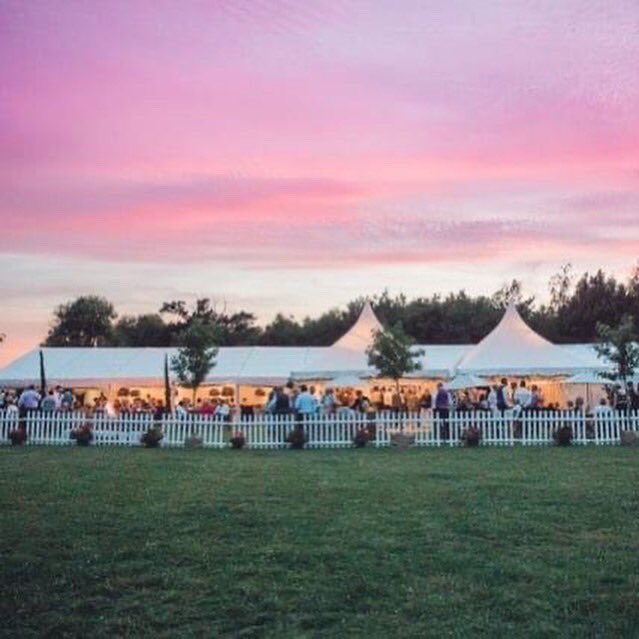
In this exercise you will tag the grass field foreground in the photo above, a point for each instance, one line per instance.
(130, 542)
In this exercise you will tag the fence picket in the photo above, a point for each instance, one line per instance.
(530, 428)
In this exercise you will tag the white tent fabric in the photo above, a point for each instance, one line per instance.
(362, 333)
(460, 382)
(85, 367)
(591, 377)
(513, 348)
(347, 381)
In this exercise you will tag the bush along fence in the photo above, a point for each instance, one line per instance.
(427, 428)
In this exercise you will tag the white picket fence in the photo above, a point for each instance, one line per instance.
(267, 431)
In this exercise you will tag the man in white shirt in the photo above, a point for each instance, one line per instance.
(29, 399)
(223, 411)
(180, 410)
(305, 403)
(522, 396)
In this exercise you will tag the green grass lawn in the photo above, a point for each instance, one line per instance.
(106, 542)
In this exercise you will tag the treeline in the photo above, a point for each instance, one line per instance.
(575, 306)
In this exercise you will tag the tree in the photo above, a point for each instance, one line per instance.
(231, 329)
(86, 321)
(595, 298)
(618, 346)
(512, 294)
(391, 353)
(196, 356)
(560, 284)
(142, 330)
(283, 331)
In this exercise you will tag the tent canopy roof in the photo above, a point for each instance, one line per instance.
(513, 348)
(145, 366)
(361, 335)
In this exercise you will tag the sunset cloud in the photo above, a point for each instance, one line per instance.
(342, 134)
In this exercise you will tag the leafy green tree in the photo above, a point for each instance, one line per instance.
(231, 329)
(86, 321)
(618, 345)
(283, 331)
(392, 354)
(513, 293)
(141, 330)
(596, 298)
(196, 355)
(560, 285)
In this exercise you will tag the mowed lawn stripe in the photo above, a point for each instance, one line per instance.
(488, 542)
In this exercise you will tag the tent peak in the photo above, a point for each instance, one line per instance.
(361, 334)
(513, 348)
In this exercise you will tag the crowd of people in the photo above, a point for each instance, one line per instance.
(305, 400)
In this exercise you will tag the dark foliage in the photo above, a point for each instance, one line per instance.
(86, 321)
(563, 436)
(576, 306)
(297, 437)
(471, 437)
(361, 438)
(83, 435)
(237, 441)
(152, 437)
(18, 436)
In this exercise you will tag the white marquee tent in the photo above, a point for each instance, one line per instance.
(512, 348)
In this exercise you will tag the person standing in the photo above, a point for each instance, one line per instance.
(442, 410)
(502, 396)
(305, 404)
(329, 402)
(29, 400)
(523, 396)
(633, 397)
(48, 403)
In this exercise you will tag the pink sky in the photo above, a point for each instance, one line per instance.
(291, 155)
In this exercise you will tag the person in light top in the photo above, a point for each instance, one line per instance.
(522, 396)
(181, 412)
(313, 391)
(223, 411)
(305, 404)
(10, 408)
(603, 408)
(329, 402)
(29, 399)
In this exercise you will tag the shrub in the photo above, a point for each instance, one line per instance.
(193, 442)
(297, 438)
(563, 436)
(18, 436)
(471, 437)
(361, 438)
(402, 441)
(83, 435)
(237, 441)
(152, 437)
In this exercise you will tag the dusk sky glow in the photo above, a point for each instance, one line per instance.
(290, 156)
